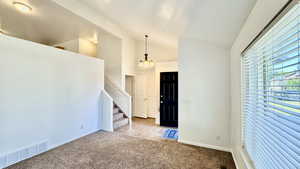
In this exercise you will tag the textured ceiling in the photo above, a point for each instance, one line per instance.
(215, 21)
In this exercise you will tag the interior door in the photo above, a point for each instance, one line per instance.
(129, 88)
(169, 99)
(140, 96)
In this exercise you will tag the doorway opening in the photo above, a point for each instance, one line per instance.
(145, 91)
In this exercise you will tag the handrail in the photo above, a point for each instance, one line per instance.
(120, 97)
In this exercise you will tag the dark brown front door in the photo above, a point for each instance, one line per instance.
(169, 99)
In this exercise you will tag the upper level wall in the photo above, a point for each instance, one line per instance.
(128, 59)
(71, 45)
(87, 48)
(129, 56)
(110, 50)
(46, 94)
(81, 46)
(108, 26)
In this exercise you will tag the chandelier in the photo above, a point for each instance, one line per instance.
(146, 62)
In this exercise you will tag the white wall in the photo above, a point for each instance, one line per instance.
(110, 50)
(128, 56)
(87, 48)
(261, 14)
(204, 94)
(128, 59)
(46, 94)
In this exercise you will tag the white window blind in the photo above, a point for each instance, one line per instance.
(271, 96)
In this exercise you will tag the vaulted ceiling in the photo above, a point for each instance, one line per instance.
(215, 21)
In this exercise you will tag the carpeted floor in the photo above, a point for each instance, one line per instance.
(104, 150)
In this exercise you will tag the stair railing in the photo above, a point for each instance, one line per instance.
(120, 97)
(106, 112)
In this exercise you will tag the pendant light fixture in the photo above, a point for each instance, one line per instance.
(146, 62)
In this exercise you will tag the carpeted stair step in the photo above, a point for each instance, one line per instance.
(120, 123)
(116, 110)
(118, 116)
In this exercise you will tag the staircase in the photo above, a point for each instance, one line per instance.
(119, 118)
(121, 108)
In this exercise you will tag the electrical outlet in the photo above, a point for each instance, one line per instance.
(218, 137)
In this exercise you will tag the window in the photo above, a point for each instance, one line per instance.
(271, 96)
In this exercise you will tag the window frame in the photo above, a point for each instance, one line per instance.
(283, 11)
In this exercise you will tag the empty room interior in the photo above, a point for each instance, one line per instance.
(149, 84)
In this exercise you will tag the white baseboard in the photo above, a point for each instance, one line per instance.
(150, 116)
(138, 116)
(241, 160)
(235, 159)
(205, 145)
(110, 129)
(72, 139)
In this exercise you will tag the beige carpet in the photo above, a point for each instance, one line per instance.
(104, 150)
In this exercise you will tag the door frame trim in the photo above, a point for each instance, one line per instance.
(159, 97)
